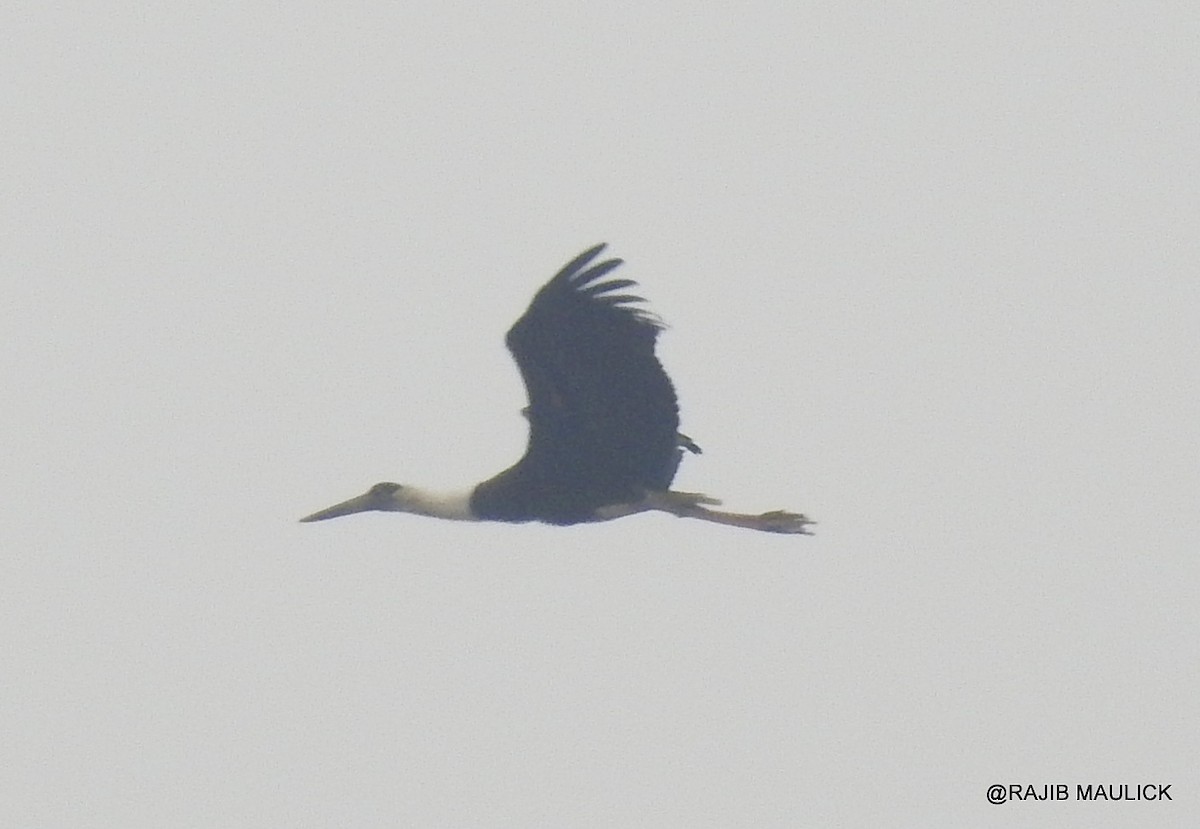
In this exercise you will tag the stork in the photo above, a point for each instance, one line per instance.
(604, 438)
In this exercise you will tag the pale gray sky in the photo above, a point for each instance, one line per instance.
(931, 276)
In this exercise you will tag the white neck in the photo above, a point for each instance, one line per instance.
(455, 506)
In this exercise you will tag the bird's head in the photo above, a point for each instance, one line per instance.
(385, 497)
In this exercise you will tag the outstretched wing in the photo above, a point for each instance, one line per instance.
(603, 417)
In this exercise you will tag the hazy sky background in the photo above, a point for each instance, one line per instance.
(931, 277)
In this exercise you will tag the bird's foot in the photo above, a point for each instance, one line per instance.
(781, 521)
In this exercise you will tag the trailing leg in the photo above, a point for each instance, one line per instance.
(693, 505)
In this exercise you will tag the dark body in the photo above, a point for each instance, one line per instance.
(603, 416)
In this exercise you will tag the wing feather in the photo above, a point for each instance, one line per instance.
(603, 416)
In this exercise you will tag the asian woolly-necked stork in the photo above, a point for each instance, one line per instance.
(604, 438)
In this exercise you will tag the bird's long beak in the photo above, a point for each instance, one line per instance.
(360, 503)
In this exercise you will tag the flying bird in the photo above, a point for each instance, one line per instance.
(604, 439)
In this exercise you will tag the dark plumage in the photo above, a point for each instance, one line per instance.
(603, 417)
